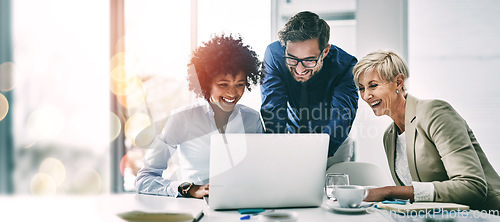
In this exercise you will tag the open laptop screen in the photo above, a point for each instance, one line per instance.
(267, 170)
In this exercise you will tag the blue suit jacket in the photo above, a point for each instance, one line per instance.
(332, 95)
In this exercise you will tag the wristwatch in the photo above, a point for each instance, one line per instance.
(184, 188)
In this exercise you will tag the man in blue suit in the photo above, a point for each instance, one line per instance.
(308, 85)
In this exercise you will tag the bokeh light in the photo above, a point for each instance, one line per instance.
(123, 81)
(135, 124)
(43, 184)
(115, 126)
(54, 168)
(7, 76)
(122, 58)
(124, 74)
(4, 107)
(45, 122)
(123, 164)
(134, 98)
(87, 181)
(120, 42)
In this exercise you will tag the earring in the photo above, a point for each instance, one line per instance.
(397, 91)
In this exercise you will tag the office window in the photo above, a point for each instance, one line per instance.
(160, 36)
(250, 19)
(157, 47)
(61, 117)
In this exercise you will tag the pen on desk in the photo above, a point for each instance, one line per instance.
(250, 212)
(396, 201)
(248, 216)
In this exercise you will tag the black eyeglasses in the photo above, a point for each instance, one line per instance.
(308, 63)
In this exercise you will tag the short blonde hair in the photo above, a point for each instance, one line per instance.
(387, 64)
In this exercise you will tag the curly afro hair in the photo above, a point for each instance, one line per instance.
(222, 55)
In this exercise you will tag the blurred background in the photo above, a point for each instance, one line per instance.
(85, 85)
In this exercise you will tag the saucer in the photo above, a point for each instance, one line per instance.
(334, 205)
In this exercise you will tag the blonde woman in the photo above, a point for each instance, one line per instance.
(433, 154)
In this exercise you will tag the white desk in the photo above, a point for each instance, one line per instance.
(304, 214)
(105, 207)
(324, 213)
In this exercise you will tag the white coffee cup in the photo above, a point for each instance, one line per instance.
(350, 196)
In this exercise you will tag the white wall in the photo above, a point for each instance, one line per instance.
(380, 25)
(327, 9)
(453, 54)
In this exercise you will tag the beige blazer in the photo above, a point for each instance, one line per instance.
(442, 149)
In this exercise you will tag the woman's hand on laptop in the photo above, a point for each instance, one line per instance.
(198, 191)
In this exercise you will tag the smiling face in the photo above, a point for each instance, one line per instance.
(308, 49)
(227, 90)
(380, 94)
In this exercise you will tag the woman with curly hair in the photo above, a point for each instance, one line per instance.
(219, 72)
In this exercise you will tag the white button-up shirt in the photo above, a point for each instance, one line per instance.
(422, 191)
(188, 131)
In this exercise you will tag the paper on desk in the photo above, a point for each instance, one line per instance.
(136, 216)
(160, 208)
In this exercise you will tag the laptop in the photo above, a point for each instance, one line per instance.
(267, 170)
